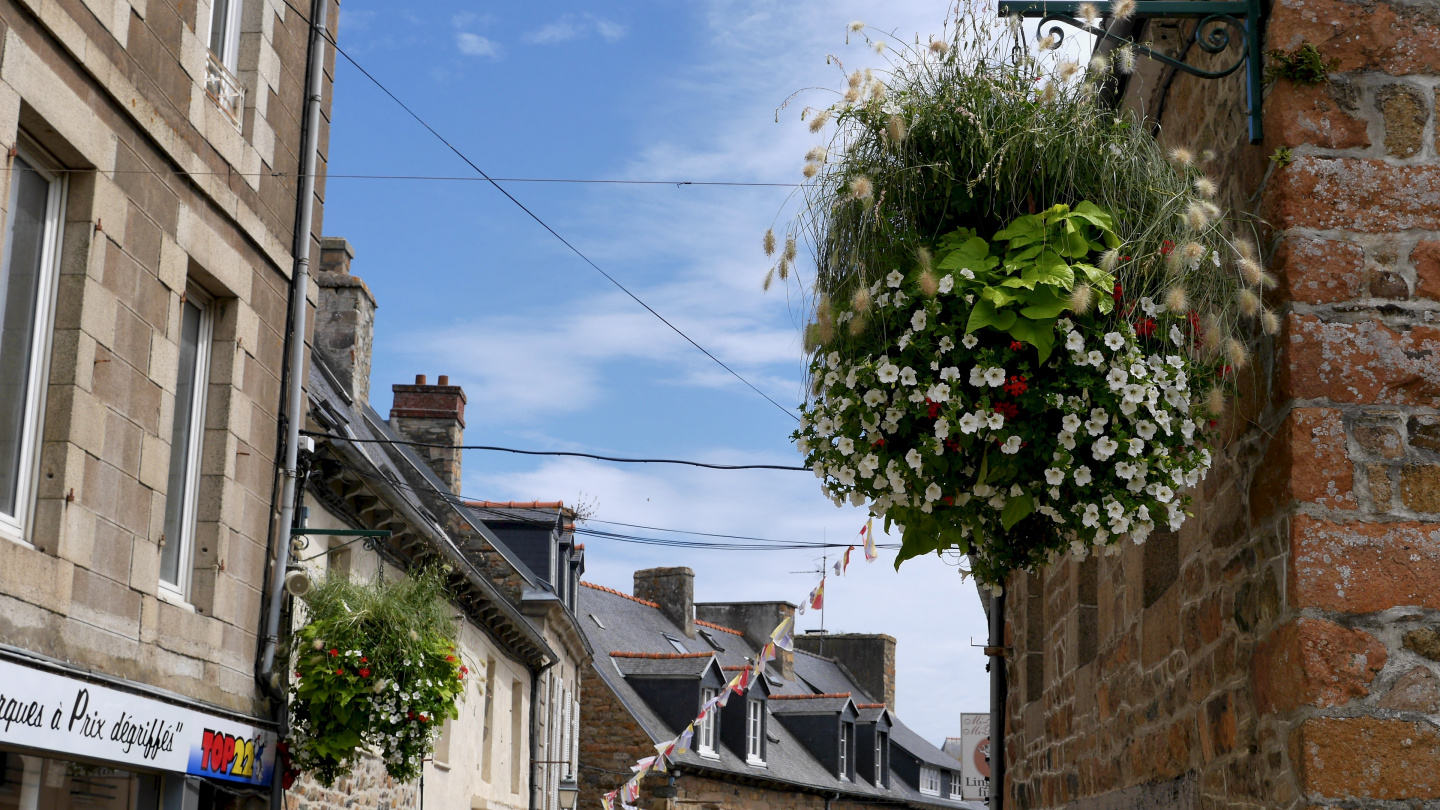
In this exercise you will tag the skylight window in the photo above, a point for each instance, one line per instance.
(710, 639)
(597, 621)
(676, 643)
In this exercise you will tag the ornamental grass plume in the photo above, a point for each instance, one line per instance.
(816, 154)
(1125, 59)
(1269, 322)
(783, 268)
(939, 47)
(1182, 156)
(769, 279)
(858, 324)
(1099, 65)
(1122, 9)
(1193, 252)
(1195, 216)
(1089, 13)
(1081, 299)
(1215, 401)
(860, 303)
(1205, 186)
(924, 258)
(1110, 259)
(1249, 303)
(861, 188)
(810, 170)
(1067, 70)
(895, 128)
(790, 249)
(1176, 300)
(826, 326)
(819, 121)
(1252, 272)
(769, 242)
(928, 283)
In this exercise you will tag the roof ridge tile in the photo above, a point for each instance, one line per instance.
(659, 656)
(719, 627)
(810, 697)
(645, 602)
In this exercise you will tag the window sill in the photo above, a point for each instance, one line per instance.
(441, 766)
(757, 763)
(707, 754)
(172, 598)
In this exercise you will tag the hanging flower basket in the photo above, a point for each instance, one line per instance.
(1025, 315)
(376, 666)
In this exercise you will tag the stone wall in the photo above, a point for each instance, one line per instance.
(368, 786)
(114, 91)
(1280, 650)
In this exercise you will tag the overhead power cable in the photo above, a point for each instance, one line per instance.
(542, 223)
(703, 464)
(441, 177)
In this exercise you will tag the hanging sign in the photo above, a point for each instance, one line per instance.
(975, 755)
(69, 716)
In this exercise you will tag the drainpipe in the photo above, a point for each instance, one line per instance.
(299, 290)
(996, 650)
(534, 734)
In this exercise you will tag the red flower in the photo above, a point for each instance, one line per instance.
(1226, 371)
(364, 672)
(1016, 345)
(1212, 423)
(334, 652)
(1145, 327)
(880, 442)
(1167, 247)
(1119, 293)
(1009, 410)
(1194, 322)
(450, 658)
(339, 672)
(933, 407)
(1017, 385)
(1124, 258)
(949, 500)
(364, 660)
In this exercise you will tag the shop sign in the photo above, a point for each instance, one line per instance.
(975, 755)
(65, 715)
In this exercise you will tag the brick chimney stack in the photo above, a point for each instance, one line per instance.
(870, 657)
(344, 318)
(756, 621)
(433, 414)
(674, 590)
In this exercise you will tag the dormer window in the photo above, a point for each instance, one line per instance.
(929, 780)
(879, 759)
(705, 733)
(845, 751)
(755, 732)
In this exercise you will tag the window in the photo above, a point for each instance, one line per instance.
(754, 731)
(220, 81)
(27, 293)
(954, 784)
(517, 725)
(488, 732)
(676, 643)
(442, 744)
(929, 781)
(879, 758)
(186, 435)
(706, 733)
(844, 750)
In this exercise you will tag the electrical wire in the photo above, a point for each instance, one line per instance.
(542, 223)
(438, 177)
(708, 466)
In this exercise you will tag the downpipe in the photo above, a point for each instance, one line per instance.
(534, 734)
(996, 650)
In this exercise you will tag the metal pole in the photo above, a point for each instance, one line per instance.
(996, 650)
(294, 407)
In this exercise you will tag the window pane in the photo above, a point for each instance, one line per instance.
(32, 782)
(176, 494)
(219, 17)
(23, 268)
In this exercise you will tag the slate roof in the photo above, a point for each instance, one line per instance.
(674, 666)
(633, 625)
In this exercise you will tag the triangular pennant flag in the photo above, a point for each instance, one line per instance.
(631, 791)
(871, 552)
(767, 654)
(607, 802)
(641, 767)
(682, 743)
(838, 568)
(817, 596)
(846, 566)
(784, 635)
(743, 680)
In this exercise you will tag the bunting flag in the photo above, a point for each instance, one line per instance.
(607, 802)
(643, 766)
(767, 654)
(846, 567)
(817, 598)
(838, 568)
(784, 635)
(682, 743)
(631, 792)
(871, 552)
(742, 680)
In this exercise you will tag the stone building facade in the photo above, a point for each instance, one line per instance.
(1280, 650)
(149, 197)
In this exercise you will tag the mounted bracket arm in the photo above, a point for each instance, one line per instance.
(1212, 34)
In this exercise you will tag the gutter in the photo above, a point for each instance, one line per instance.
(996, 650)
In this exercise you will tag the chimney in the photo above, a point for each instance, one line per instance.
(344, 318)
(869, 657)
(756, 620)
(432, 414)
(673, 589)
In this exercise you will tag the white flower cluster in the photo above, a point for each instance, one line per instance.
(941, 430)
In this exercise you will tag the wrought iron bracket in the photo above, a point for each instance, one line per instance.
(1212, 34)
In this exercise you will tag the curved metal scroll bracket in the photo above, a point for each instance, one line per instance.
(1217, 20)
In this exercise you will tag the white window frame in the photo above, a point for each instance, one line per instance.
(705, 734)
(845, 751)
(929, 780)
(179, 592)
(879, 758)
(955, 784)
(229, 56)
(755, 732)
(17, 527)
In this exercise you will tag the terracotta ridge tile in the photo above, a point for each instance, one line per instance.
(645, 602)
(721, 628)
(810, 697)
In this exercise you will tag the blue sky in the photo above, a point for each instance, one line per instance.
(551, 355)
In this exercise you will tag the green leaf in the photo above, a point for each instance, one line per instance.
(1049, 268)
(1095, 215)
(1023, 231)
(1038, 333)
(985, 314)
(1044, 303)
(984, 467)
(1016, 509)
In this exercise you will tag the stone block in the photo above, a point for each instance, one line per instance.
(1378, 439)
(105, 603)
(1394, 37)
(1370, 196)
(1378, 477)
(145, 571)
(1366, 362)
(1307, 460)
(1363, 567)
(1420, 487)
(1423, 641)
(1368, 758)
(1320, 115)
(1416, 691)
(122, 443)
(1313, 662)
(1404, 111)
(1426, 260)
(36, 577)
(164, 362)
(155, 463)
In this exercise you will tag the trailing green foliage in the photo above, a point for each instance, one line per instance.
(1305, 66)
(1282, 157)
(375, 666)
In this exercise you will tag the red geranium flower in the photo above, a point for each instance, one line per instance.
(880, 442)
(1009, 410)
(933, 407)
(1145, 327)
(334, 652)
(364, 672)
(949, 500)
(339, 672)
(450, 658)
(1017, 385)
(364, 660)
(1016, 345)
(1119, 293)
(1167, 247)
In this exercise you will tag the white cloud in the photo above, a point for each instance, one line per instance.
(571, 27)
(476, 45)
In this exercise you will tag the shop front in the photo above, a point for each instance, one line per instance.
(67, 743)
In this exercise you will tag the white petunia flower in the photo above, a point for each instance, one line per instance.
(888, 373)
(882, 300)
(894, 278)
(1187, 429)
(874, 397)
(900, 299)
(852, 377)
(1099, 416)
(1011, 446)
(1074, 342)
(946, 344)
(845, 445)
(1104, 448)
(1125, 470)
(995, 377)
(917, 321)
(1146, 429)
(1067, 440)
(1137, 446)
(1091, 516)
(947, 284)
(995, 420)
(913, 459)
(1134, 393)
(977, 376)
(857, 498)
(1148, 306)
(970, 341)
(969, 423)
(942, 429)
(825, 426)
(1095, 358)
(1176, 336)
(932, 492)
(1082, 475)
(1070, 423)
(904, 341)
(846, 476)
(1163, 494)
(1114, 340)
(831, 378)
(939, 392)
(1117, 378)
(907, 376)
(1054, 477)
(949, 372)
